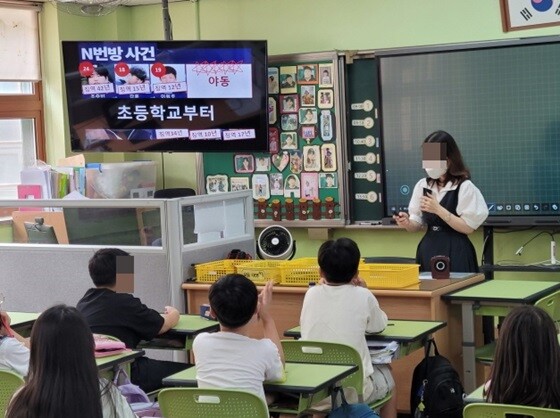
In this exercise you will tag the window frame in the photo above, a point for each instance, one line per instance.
(27, 106)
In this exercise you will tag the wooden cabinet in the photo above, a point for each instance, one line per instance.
(420, 302)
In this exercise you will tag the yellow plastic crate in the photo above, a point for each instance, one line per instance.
(212, 271)
(261, 271)
(389, 275)
(300, 272)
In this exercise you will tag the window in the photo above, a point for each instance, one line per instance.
(21, 104)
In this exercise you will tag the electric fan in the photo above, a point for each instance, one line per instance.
(276, 243)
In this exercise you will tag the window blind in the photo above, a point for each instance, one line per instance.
(19, 43)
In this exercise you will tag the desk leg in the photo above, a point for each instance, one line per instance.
(469, 364)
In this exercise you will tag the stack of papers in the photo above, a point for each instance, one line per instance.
(383, 352)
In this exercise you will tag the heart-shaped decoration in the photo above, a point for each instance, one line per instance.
(280, 161)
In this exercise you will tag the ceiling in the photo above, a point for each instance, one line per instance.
(141, 2)
(129, 3)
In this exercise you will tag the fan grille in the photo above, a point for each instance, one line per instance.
(275, 242)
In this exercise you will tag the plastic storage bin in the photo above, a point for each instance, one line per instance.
(389, 275)
(299, 272)
(212, 271)
(262, 271)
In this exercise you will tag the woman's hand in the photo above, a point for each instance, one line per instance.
(402, 219)
(430, 204)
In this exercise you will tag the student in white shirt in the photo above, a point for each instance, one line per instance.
(230, 359)
(14, 351)
(341, 309)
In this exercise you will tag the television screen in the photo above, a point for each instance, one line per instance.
(167, 95)
(499, 102)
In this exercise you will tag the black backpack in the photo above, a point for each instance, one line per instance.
(436, 390)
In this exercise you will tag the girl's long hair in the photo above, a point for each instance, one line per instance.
(63, 378)
(457, 171)
(526, 365)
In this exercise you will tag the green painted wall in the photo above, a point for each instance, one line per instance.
(290, 26)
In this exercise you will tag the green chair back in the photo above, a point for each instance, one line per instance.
(300, 351)
(9, 383)
(331, 353)
(215, 403)
(496, 410)
(551, 305)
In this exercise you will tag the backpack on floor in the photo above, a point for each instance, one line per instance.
(436, 390)
(347, 410)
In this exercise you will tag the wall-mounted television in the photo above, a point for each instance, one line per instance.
(501, 103)
(190, 96)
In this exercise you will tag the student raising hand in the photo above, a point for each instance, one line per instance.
(265, 300)
(269, 326)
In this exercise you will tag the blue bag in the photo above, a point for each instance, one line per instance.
(346, 410)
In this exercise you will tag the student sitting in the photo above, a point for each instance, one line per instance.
(14, 351)
(341, 309)
(230, 358)
(125, 317)
(63, 379)
(526, 363)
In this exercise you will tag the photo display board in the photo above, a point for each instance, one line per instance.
(300, 178)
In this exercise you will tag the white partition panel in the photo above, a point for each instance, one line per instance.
(36, 276)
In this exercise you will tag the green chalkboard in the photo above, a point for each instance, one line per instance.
(501, 103)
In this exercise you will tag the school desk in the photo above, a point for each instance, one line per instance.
(493, 298)
(420, 302)
(476, 396)
(410, 334)
(22, 322)
(310, 382)
(182, 335)
(108, 365)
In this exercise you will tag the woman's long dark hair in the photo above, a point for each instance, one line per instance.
(527, 360)
(63, 378)
(457, 171)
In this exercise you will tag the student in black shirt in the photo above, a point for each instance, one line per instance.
(125, 317)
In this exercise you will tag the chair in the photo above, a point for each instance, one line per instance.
(550, 304)
(173, 193)
(215, 403)
(496, 410)
(331, 353)
(9, 383)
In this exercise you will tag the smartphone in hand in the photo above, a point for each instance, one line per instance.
(427, 192)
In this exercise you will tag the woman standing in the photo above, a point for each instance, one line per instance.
(447, 204)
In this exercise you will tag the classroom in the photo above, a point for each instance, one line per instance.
(312, 37)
